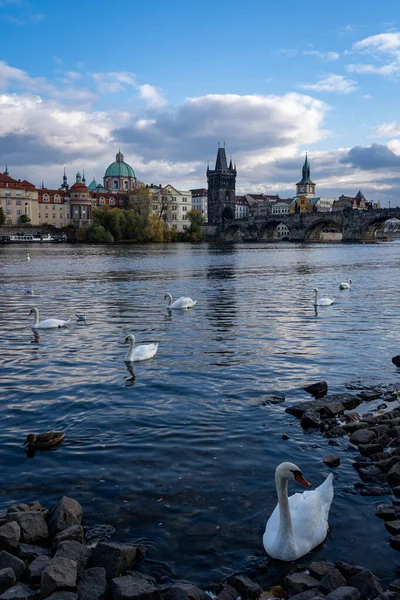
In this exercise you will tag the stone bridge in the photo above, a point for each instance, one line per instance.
(353, 225)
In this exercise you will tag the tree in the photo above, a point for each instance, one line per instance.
(196, 225)
(139, 201)
(2, 216)
(24, 220)
(99, 235)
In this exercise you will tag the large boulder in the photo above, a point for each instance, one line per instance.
(318, 389)
(367, 584)
(115, 558)
(310, 419)
(331, 460)
(299, 582)
(131, 587)
(35, 570)
(75, 551)
(75, 532)
(394, 475)
(33, 526)
(20, 591)
(60, 574)
(396, 360)
(92, 584)
(188, 591)
(245, 586)
(363, 436)
(63, 514)
(9, 536)
(344, 593)
(30, 551)
(8, 560)
(319, 569)
(7, 579)
(63, 596)
(228, 593)
(332, 580)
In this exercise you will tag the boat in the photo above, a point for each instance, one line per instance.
(23, 238)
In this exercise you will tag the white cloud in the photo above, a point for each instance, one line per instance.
(152, 95)
(388, 130)
(385, 43)
(324, 56)
(385, 50)
(333, 83)
(110, 83)
(73, 75)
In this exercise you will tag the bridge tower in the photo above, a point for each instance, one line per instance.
(221, 190)
(305, 187)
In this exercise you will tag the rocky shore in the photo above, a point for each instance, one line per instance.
(43, 554)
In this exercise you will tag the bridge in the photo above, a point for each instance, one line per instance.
(348, 226)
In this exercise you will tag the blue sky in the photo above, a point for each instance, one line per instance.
(166, 81)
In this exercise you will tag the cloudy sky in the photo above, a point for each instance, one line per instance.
(166, 81)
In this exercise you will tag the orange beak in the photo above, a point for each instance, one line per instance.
(303, 481)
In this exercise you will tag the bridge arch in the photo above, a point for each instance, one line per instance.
(370, 231)
(232, 233)
(274, 230)
(324, 229)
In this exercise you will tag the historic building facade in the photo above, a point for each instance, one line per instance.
(221, 190)
(19, 200)
(171, 205)
(305, 187)
(119, 176)
(200, 201)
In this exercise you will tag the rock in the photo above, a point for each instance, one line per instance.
(188, 591)
(30, 552)
(387, 463)
(394, 474)
(114, 558)
(395, 542)
(395, 586)
(367, 395)
(130, 587)
(370, 472)
(60, 574)
(299, 582)
(344, 592)
(387, 512)
(285, 436)
(246, 587)
(9, 536)
(228, 593)
(332, 580)
(369, 449)
(332, 409)
(33, 526)
(7, 579)
(335, 432)
(35, 570)
(348, 570)
(375, 491)
(92, 584)
(35, 506)
(75, 532)
(310, 419)
(333, 443)
(367, 584)
(331, 460)
(318, 389)
(8, 560)
(396, 491)
(363, 436)
(65, 513)
(75, 551)
(308, 595)
(20, 591)
(63, 596)
(396, 360)
(319, 569)
(276, 398)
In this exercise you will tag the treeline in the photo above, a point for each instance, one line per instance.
(114, 225)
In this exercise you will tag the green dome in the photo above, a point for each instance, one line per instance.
(119, 169)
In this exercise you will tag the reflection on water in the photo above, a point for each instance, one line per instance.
(178, 452)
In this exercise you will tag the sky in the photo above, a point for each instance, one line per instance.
(167, 81)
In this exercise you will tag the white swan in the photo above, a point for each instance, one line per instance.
(180, 302)
(345, 285)
(299, 523)
(28, 257)
(321, 301)
(48, 323)
(142, 352)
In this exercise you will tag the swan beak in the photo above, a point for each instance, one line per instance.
(303, 481)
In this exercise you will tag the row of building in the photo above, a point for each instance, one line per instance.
(72, 205)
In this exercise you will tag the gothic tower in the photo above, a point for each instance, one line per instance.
(305, 187)
(221, 190)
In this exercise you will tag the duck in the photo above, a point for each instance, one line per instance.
(142, 352)
(28, 257)
(81, 317)
(345, 285)
(299, 523)
(321, 301)
(44, 440)
(48, 323)
(182, 302)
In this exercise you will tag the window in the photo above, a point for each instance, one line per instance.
(115, 185)
(45, 198)
(173, 198)
(184, 217)
(46, 216)
(56, 198)
(18, 193)
(126, 185)
(9, 202)
(184, 208)
(184, 199)
(174, 207)
(8, 193)
(173, 217)
(9, 222)
(18, 202)
(112, 202)
(102, 201)
(9, 212)
(155, 206)
(184, 226)
(121, 202)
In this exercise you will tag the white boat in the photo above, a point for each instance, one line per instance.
(24, 238)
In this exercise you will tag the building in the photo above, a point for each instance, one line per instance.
(281, 206)
(305, 187)
(300, 204)
(358, 202)
(80, 203)
(19, 200)
(200, 201)
(221, 190)
(323, 204)
(282, 232)
(119, 176)
(54, 207)
(241, 207)
(171, 205)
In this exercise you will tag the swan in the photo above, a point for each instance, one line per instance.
(28, 257)
(48, 323)
(180, 302)
(321, 301)
(142, 352)
(345, 285)
(299, 523)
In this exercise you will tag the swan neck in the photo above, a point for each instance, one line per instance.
(36, 316)
(285, 519)
(169, 299)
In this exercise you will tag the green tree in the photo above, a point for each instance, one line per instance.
(98, 235)
(196, 225)
(2, 216)
(139, 201)
(24, 220)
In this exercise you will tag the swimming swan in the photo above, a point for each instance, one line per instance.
(48, 323)
(180, 302)
(28, 257)
(299, 523)
(345, 285)
(142, 352)
(321, 301)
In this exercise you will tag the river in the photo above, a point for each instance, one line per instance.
(180, 456)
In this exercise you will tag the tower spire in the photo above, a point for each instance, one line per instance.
(6, 171)
(83, 176)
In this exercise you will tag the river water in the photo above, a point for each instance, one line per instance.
(179, 455)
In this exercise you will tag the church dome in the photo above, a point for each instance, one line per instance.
(119, 168)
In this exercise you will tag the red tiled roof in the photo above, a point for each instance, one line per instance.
(7, 178)
(79, 186)
(199, 192)
(27, 183)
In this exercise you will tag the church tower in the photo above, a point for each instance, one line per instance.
(305, 187)
(221, 190)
